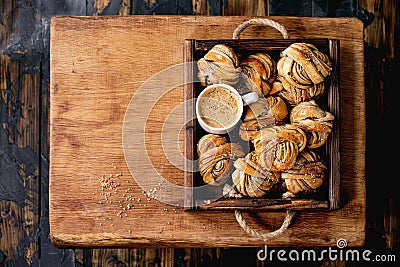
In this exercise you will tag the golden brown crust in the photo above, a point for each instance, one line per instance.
(265, 112)
(295, 93)
(222, 54)
(307, 174)
(249, 129)
(309, 116)
(219, 65)
(271, 106)
(216, 158)
(210, 141)
(277, 87)
(214, 72)
(250, 179)
(316, 122)
(316, 66)
(316, 139)
(302, 70)
(269, 66)
(260, 69)
(277, 147)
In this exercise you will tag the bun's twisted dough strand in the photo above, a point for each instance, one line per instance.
(219, 65)
(266, 112)
(216, 157)
(317, 123)
(251, 179)
(277, 147)
(307, 174)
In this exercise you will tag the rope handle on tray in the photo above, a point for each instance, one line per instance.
(289, 213)
(260, 21)
(265, 236)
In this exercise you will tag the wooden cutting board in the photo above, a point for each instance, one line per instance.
(116, 117)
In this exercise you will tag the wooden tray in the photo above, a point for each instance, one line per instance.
(327, 197)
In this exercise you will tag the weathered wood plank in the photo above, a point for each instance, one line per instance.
(79, 258)
(28, 124)
(99, 5)
(246, 8)
(73, 74)
(162, 7)
(19, 147)
(126, 7)
(208, 7)
(152, 257)
(11, 229)
(107, 257)
(200, 7)
(110, 257)
(382, 69)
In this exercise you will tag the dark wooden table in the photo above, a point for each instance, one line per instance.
(24, 131)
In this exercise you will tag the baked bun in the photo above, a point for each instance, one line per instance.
(277, 147)
(216, 157)
(252, 180)
(317, 123)
(307, 174)
(265, 112)
(219, 65)
(260, 71)
(302, 70)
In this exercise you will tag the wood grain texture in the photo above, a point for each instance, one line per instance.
(246, 8)
(381, 68)
(126, 7)
(92, 83)
(110, 257)
(19, 150)
(210, 8)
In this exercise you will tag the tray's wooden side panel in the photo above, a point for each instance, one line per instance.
(265, 204)
(99, 64)
(333, 145)
(189, 121)
(323, 198)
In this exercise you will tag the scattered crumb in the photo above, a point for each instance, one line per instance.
(109, 190)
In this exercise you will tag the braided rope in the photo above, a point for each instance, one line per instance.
(289, 215)
(260, 21)
(265, 236)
